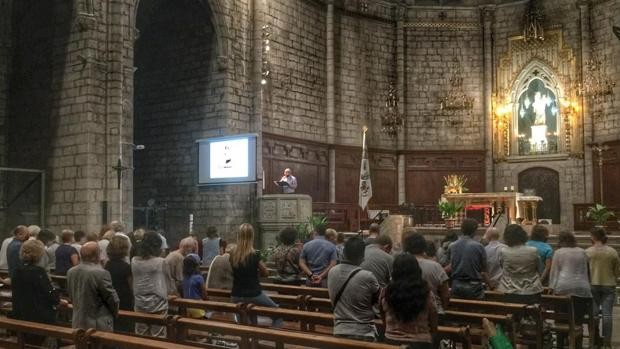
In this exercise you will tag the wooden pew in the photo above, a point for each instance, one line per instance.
(24, 328)
(561, 310)
(285, 301)
(474, 322)
(528, 332)
(296, 290)
(249, 336)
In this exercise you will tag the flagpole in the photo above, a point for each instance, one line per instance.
(361, 211)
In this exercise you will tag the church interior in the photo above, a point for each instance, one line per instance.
(509, 109)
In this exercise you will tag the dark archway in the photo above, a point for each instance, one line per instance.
(175, 92)
(546, 184)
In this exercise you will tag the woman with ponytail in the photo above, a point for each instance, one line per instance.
(407, 306)
(247, 268)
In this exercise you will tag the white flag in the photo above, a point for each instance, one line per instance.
(365, 186)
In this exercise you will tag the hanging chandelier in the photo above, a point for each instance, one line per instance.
(456, 100)
(392, 120)
(597, 86)
(533, 28)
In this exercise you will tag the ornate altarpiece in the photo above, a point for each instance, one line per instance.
(551, 63)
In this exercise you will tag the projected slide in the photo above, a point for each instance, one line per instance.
(229, 158)
(225, 160)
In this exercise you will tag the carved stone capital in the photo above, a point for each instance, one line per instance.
(223, 63)
(84, 22)
(487, 12)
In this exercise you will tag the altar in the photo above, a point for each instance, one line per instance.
(515, 207)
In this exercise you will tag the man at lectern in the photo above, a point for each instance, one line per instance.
(288, 182)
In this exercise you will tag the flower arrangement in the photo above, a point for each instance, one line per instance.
(455, 184)
(449, 209)
(599, 214)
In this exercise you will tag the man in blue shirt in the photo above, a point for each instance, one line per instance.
(469, 264)
(20, 234)
(317, 258)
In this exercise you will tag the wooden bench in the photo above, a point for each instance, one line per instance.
(296, 290)
(285, 301)
(527, 318)
(474, 322)
(24, 328)
(249, 336)
(560, 309)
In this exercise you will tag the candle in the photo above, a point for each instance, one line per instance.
(505, 188)
(512, 188)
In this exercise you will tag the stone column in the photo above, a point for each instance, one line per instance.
(587, 119)
(401, 13)
(488, 13)
(330, 117)
(261, 92)
(5, 61)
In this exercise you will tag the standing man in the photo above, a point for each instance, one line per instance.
(469, 263)
(317, 257)
(378, 260)
(353, 293)
(290, 180)
(95, 302)
(20, 234)
(492, 249)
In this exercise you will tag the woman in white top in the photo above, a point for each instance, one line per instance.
(520, 279)
(569, 273)
(151, 283)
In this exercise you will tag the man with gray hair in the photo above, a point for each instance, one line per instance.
(290, 180)
(174, 260)
(95, 302)
(492, 250)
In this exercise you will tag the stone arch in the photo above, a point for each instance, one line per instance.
(536, 72)
(178, 92)
(546, 182)
(215, 10)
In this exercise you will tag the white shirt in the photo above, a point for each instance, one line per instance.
(292, 184)
(4, 264)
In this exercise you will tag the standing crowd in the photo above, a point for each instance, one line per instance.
(365, 277)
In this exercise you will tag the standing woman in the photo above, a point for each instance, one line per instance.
(604, 271)
(34, 298)
(120, 271)
(407, 306)
(247, 268)
(520, 279)
(151, 283)
(569, 276)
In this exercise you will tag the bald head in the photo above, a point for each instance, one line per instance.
(374, 230)
(491, 234)
(90, 252)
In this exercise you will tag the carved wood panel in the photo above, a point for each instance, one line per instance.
(308, 161)
(546, 183)
(383, 174)
(611, 175)
(425, 171)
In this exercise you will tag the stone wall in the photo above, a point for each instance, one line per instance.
(606, 46)
(433, 43)
(295, 96)
(365, 65)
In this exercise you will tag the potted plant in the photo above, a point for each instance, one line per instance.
(599, 214)
(449, 210)
(305, 229)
